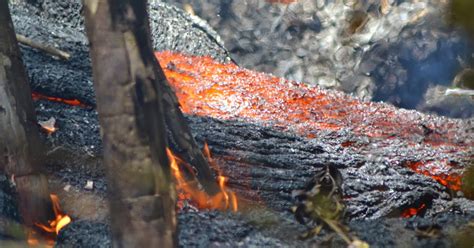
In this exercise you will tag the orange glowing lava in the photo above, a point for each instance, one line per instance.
(61, 220)
(225, 91)
(74, 102)
(188, 190)
(438, 170)
(410, 212)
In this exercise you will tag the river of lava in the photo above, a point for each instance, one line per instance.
(206, 87)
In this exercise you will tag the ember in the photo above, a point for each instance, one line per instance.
(188, 190)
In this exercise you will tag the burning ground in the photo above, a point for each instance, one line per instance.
(268, 136)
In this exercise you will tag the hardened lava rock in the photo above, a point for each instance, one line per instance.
(265, 144)
(60, 24)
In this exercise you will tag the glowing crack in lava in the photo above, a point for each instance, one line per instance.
(54, 226)
(225, 91)
(73, 102)
(443, 175)
(188, 190)
(410, 212)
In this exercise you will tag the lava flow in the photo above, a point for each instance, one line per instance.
(225, 91)
(188, 190)
(450, 180)
(410, 212)
(73, 102)
(54, 226)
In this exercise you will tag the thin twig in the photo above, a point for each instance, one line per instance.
(335, 227)
(45, 48)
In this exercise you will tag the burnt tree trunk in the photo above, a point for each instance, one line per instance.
(126, 80)
(20, 146)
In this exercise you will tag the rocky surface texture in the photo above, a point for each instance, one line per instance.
(264, 158)
(402, 52)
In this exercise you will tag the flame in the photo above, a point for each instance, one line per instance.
(61, 220)
(409, 212)
(223, 200)
(52, 229)
(73, 102)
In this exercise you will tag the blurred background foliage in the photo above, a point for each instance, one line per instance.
(461, 14)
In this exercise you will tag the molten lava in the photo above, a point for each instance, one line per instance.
(225, 91)
(73, 102)
(61, 220)
(438, 170)
(188, 190)
(410, 212)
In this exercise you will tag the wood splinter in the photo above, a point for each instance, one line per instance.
(45, 48)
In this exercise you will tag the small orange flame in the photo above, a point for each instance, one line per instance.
(223, 200)
(60, 221)
(52, 229)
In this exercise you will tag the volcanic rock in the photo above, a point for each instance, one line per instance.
(265, 158)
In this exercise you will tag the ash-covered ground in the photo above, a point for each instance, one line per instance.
(264, 164)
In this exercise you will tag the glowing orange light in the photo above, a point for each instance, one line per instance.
(48, 126)
(32, 240)
(60, 220)
(412, 211)
(441, 171)
(74, 102)
(225, 91)
(223, 200)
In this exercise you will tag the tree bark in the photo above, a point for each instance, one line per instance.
(21, 155)
(183, 142)
(129, 102)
